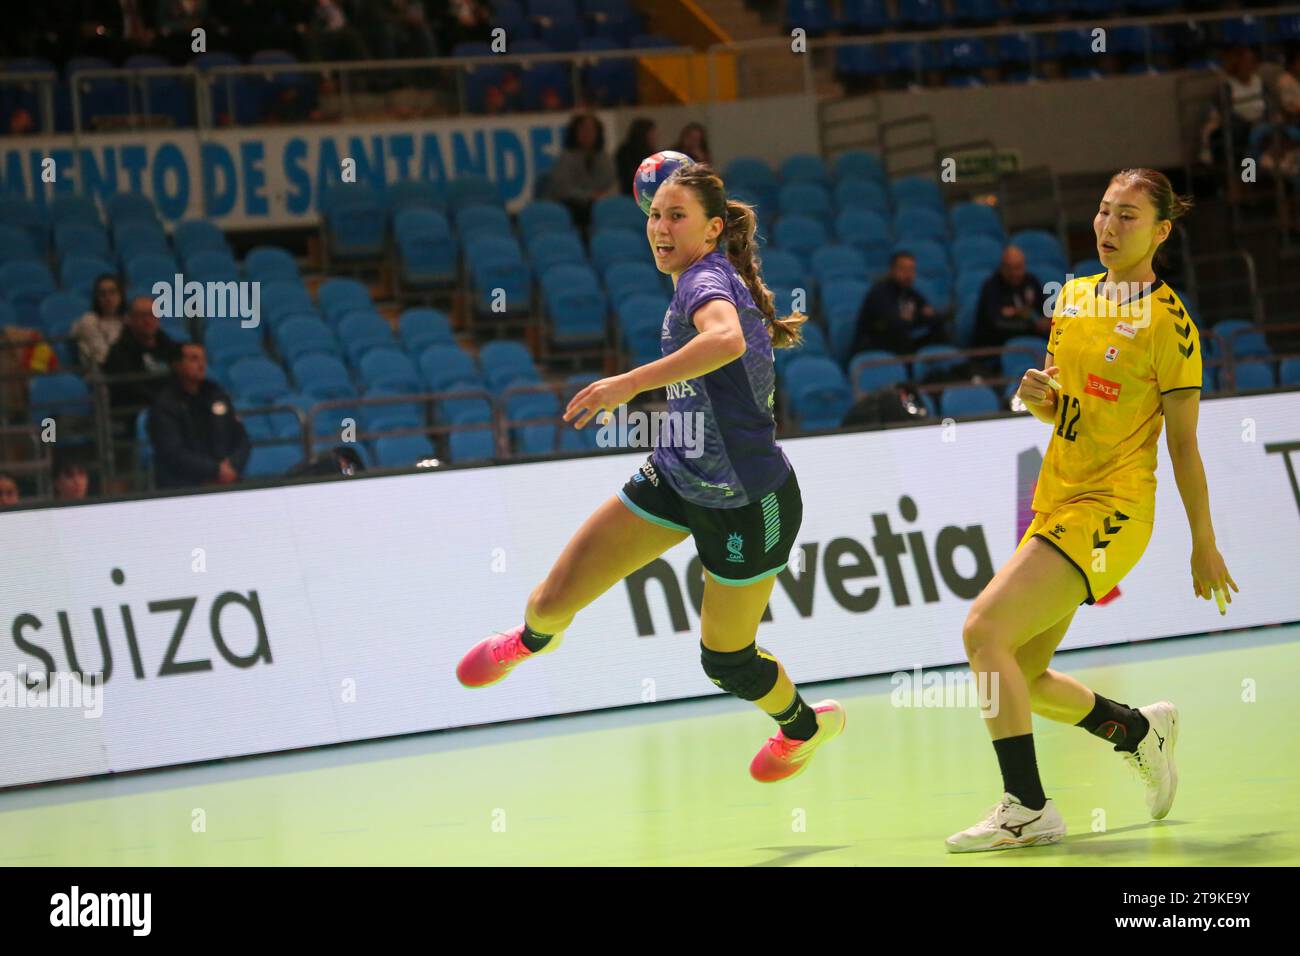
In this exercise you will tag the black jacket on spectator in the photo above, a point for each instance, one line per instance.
(891, 319)
(192, 433)
(991, 326)
(129, 357)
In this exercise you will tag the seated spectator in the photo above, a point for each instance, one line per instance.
(142, 349)
(99, 329)
(639, 143)
(1248, 105)
(894, 316)
(71, 481)
(330, 37)
(1011, 303)
(8, 491)
(693, 140)
(584, 172)
(1282, 151)
(197, 439)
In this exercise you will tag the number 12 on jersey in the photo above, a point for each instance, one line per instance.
(1069, 417)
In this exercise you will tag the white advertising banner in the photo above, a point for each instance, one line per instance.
(264, 620)
(274, 176)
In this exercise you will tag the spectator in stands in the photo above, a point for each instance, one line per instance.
(116, 29)
(143, 348)
(894, 316)
(1011, 303)
(197, 439)
(330, 37)
(693, 140)
(584, 172)
(8, 491)
(99, 329)
(1283, 153)
(462, 21)
(637, 145)
(71, 481)
(1244, 91)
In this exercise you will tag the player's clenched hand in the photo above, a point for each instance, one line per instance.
(1209, 571)
(1035, 388)
(606, 394)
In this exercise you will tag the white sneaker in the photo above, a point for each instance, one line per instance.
(1154, 758)
(1010, 824)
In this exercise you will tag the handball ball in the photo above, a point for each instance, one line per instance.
(652, 172)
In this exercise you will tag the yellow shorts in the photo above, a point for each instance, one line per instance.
(1104, 544)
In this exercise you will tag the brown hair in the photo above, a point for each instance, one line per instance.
(737, 240)
(1155, 184)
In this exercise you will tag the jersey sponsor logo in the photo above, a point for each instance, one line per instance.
(735, 548)
(1070, 310)
(1126, 330)
(1112, 353)
(680, 390)
(648, 470)
(720, 486)
(1102, 388)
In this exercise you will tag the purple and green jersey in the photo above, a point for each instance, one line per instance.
(738, 460)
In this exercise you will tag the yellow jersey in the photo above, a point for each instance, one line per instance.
(1116, 360)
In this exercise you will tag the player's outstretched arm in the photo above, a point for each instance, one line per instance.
(1182, 411)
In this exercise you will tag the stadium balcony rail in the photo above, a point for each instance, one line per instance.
(450, 76)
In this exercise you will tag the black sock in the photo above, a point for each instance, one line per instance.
(798, 721)
(1122, 725)
(534, 641)
(1020, 770)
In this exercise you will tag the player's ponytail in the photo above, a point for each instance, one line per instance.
(740, 226)
(742, 250)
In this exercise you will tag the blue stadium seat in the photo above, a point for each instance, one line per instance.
(1041, 245)
(617, 212)
(414, 194)
(257, 381)
(613, 245)
(420, 328)
(267, 461)
(387, 368)
(16, 243)
(211, 266)
(446, 367)
(631, 278)
(506, 363)
(931, 258)
(322, 377)
(640, 321)
(543, 216)
(963, 400)
(79, 273)
(355, 219)
(470, 444)
(477, 220)
(920, 13)
(1023, 352)
(196, 235)
(1088, 267)
(916, 190)
(362, 330)
(818, 392)
(1253, 375)
(471, 189)
(82, 238)
(971, 218)
(303, 335)
(338, 296)
(401, 451)
(977, 252)
(266, 263)
(555, 248)
(920, 222)
(66, 207)
(832, 262)
(866, 230)
(861, 165)
(805, 198)
(867, 377)
(427, 250)
(227, 341)
(56, 395)
(857, 193)
(800, 234)
(805, 168)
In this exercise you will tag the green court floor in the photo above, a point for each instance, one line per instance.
(668, 785)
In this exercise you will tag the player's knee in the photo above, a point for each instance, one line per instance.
(977, 633)
(749, 673)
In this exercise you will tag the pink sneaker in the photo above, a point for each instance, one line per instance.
(491, 660)
(782, 757)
